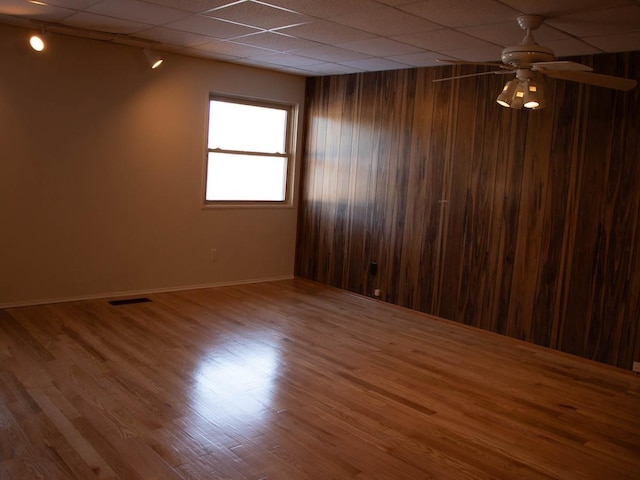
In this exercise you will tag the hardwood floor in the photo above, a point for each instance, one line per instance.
(296, 380)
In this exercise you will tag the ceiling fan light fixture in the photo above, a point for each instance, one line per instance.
(534, 94)
(506, 96)
(531, 98)
(517, 100)
(525, 91)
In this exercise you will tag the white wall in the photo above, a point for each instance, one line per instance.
(101, 165)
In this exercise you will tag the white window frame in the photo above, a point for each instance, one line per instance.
(288, 155)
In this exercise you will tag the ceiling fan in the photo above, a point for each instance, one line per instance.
(530, 62)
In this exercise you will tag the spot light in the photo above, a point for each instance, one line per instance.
(37, 42)
(153, 58)
(533, 95)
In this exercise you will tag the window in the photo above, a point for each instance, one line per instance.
(248, 152)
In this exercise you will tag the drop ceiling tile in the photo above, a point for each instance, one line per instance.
(463, 12)
(423, 59)
(233, 49)
(132, 42)
(506, 34)
(258, 15)
(101, 23)
(554, 7)
(294, 71)
(442, 40)
(322, 69)
(195, 6)
(327, 32)
(286, 60)
(396, 3)
(628, 42)
(46, 13)
(601, 22)
(276, 41)
(71, 4)
(211, 27)
(571, 47)
(170, 36)
(254, 62)
(325, 8)
(167, 47)
(380, 47)
(206, 54)
(370, 28)
(489, 53)
(329, 53)
(385, 21)
(375, 64)
(250, 62)
(136, 11)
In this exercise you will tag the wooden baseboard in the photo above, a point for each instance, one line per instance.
(112, 295)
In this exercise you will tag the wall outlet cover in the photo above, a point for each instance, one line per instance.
(636, 367)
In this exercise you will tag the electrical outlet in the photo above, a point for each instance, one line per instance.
(213, 256)
(376, 292)
(636, 367)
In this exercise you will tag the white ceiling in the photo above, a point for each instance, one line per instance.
(326, 37)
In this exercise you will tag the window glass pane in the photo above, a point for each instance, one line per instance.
(246, 177)
(248, 128)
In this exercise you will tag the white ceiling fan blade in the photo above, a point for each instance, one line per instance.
(597, 79)
(496, 72)
(486, 64)
(561, 65)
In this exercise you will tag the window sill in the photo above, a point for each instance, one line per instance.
(246, 205)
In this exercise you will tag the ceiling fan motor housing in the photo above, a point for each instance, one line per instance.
(528, 51)
(525, 55)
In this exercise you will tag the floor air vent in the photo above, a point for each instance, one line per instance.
(129, 301)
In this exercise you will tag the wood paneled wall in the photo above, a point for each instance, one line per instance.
(521, 223)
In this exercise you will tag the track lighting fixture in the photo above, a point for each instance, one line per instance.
(37, 42)
(153, 58)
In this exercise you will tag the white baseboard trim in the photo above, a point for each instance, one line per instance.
(113, 295)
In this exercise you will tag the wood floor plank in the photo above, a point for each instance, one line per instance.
(297, 380)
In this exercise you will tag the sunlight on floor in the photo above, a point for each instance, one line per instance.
(236, 385)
